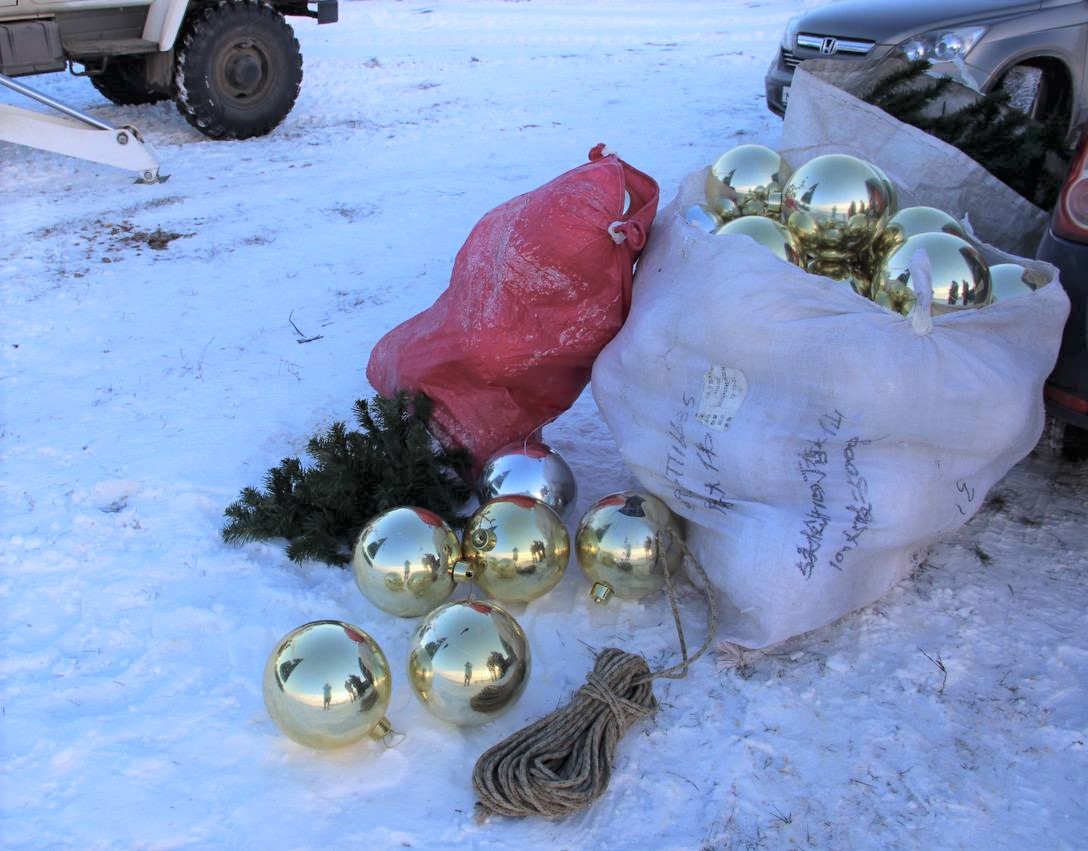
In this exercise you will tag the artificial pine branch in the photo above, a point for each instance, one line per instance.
(354, 476)
(1026, 155)
(905, 94)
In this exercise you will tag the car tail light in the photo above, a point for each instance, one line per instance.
(1071, 212)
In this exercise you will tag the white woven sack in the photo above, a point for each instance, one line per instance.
(825, 117)
(815, 443)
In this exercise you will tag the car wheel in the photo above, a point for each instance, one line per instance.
(238, 71)
(1026, 87)
(124, 81)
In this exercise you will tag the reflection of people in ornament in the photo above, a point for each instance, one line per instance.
(328, 695)
(468, 673)
(497, 665)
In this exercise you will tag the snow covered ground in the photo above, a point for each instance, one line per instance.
(146, 380)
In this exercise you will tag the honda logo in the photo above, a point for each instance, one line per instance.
(828, 46)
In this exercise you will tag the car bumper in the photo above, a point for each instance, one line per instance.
(777, 85)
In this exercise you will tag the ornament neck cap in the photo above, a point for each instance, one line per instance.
(601, 593)
(382, 729)
(463, 571)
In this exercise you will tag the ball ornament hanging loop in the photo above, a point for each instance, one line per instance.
(624, 543)
(327, 684)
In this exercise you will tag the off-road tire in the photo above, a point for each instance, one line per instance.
(238, 70)
(124, 81)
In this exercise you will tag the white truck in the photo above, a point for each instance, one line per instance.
(233, 67)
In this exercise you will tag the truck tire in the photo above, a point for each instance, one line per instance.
(238, 70)
(124, 81)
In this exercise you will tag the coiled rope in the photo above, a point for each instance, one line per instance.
(563, 762)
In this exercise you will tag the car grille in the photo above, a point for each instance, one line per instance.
(812, 46)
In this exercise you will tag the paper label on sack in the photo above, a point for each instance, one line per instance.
(724, 391)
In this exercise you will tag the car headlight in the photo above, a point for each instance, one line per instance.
(942, 45)
(789, 37)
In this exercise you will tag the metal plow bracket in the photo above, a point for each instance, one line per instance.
(76, 135)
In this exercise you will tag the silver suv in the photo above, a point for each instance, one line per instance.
(1035, 50)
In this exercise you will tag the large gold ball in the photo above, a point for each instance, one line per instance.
(1008, 280)
(624, 543)
(768, 233)
(518, 548)
(327, 684)
(529, 468)
(469, 661)
(702, 217)
(835, 205)
(961, 278)
(911, 221)
(746, 181)
(402, 561)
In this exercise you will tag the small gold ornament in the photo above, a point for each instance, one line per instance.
(961, 278)
(529, 468)
(702, 217)
(768, 233)
(402, 561)
(327, 684)
(469, 661)
(518, 548)
(747, 181)
(1008, 280)
(835, 205)
(624, 543)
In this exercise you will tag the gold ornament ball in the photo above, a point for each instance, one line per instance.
(518, 548)
(469, 661)
(768, 233)
(402, 561)
(1009, 280)
(889, 187)
(835, 205)
(746, 181)
(702, 217)
(529, 468)
(911, 221)
(961, 278)
(327, 684)
(624, 543)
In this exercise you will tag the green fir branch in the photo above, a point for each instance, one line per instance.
(1026, 155)
(391, 461)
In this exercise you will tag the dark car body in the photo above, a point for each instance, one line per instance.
(1040, 46)
(1065, 244)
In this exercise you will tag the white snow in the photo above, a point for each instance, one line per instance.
(143, 388)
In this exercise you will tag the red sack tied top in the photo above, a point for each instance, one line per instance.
(542, 283)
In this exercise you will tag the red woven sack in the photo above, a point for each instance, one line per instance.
(542, 283)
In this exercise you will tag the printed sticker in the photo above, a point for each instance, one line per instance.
(724, 390)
